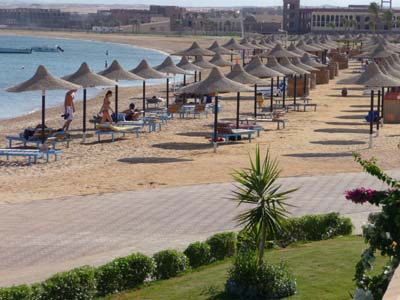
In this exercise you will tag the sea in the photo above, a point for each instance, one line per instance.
(16, 68)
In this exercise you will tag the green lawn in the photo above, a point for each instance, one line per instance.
(324, 271)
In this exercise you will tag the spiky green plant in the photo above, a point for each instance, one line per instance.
(257, 187)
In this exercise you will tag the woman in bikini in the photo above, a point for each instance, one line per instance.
(105, 109)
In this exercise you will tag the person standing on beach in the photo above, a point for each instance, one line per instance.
(69, 109)
(105, 108)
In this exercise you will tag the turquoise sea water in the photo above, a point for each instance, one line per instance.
(16, 68)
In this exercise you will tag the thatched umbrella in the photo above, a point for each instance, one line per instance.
(298, 71)
(297, 62)
(188, 66)
(390, 69)
(43, 81)
(294, 49)
(279, 52)
(374, 77)
(215, 83)
(238, 74)
(307, 48)
(147, 72)
(219, 61)
(86, 78)
(116, 72)
(232, 44)
(307, 60)
(169, 67)
(195, 50)
(202, 63)
(258, 69)
(217, 48)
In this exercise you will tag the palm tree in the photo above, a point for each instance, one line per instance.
(387, 18)
(257, 187)
(373, 10)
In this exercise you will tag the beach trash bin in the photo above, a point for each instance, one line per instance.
(344, 92)
(392, 108)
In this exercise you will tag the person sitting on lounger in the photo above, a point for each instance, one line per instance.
(131, 114)
(105, 109)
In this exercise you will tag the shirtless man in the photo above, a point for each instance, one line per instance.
(69, 108)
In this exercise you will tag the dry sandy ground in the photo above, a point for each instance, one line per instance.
(313, 143)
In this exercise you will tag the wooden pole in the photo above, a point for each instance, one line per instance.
(371, 120)
(144, 98)
(255, 101)
(43, 114)
(237, 109)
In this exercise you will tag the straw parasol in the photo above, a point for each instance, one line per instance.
(234, 45)
(216, 82)
(287, 64)
(374, 77)
(279, 52)
(217, 48)
(195, 50)
(43, 81)
(200, 62)
(297, 62)
(390, 69)
(169, 67)
(274, 65)
(306, 59)
(116, 72)
(185, 64)
(219, 61)
(307, 48)
(248, 45)
(258, 69)
(86, 78)
(238, 74)
(147, 72)
(294, 49)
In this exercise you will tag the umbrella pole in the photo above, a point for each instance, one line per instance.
(167, 92)
(116, 103)
(284, 92)
(243, 57)
(272, 96)
(43, 113)
(305, 86)
(184, 79)
(199, 76)
(237, 109)
(383, 105)
(379, 113)
(84, 115)
(195, 76)
(255, 101)
(231, 60)
(371, 119)
(295, 90)
(277, 83)
(144, 98)
(215, 138)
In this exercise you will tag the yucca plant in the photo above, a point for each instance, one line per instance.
(257, 187)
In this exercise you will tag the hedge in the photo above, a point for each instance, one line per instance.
(20, 292)
(222, 245)
(170, 263)
(199, 254)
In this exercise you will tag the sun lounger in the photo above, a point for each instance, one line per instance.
(53, 140)
(154, 101)
(152, 124)
(30, 154)
(279, 122)
(114, 131)
(304, 105)
(225, 131)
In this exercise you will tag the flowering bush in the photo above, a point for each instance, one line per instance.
(382, 233)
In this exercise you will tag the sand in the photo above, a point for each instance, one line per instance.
(318, 142)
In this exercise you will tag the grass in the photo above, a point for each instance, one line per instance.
(324, 271)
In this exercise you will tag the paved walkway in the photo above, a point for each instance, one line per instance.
(43, 237)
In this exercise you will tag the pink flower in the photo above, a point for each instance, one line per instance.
(360, 195)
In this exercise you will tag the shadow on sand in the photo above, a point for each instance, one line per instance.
(152, 160)
(351, 117)
(342, 130)
(338, 142)
(184, 146)
(320, 155)
(346, 123)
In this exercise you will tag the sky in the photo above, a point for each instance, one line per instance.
(220, 2)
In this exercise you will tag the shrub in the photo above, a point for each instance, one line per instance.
(170, 263)
(222, 245)
(307, 228)
(198, 253)
(247, 280)
(77, 284)
(20, 292)
(123, 273)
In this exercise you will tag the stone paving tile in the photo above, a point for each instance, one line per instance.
(44, 237)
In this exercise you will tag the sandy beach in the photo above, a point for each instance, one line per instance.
(318, 142)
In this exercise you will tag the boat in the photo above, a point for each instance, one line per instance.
(15, 50)
(47, 49)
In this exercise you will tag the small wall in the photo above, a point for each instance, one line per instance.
(323, 76)
(393, 291)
